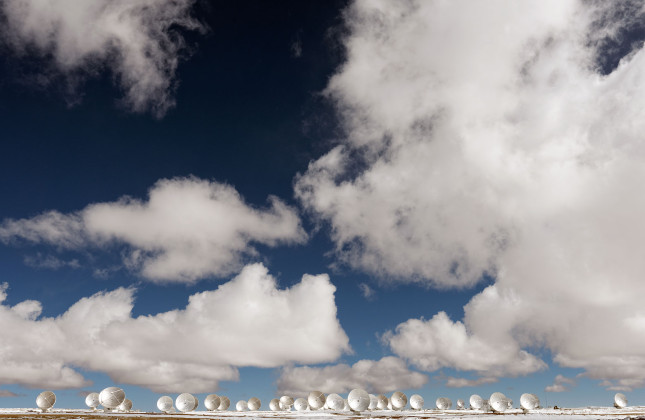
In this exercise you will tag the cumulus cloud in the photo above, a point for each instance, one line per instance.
(439, 342)
(495, 139)
(560, 384)
(378, 376)
(138, 41)
(248, 321)
(367, 291)
(187, 229)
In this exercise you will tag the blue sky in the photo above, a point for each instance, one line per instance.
(461, 181)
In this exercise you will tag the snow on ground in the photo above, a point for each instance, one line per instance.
(517, 414)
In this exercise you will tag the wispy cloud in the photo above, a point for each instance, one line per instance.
(138, 41)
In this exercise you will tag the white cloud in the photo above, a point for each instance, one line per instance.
(452, 382)
(439, 342)
(187, 230)
(245, 322)
(560, 384)
(138, 41)
(378, 376)
(481, 139)
(367, 291)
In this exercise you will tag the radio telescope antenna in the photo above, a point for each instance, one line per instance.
(416, 402)
(241, 405)
(443, 403)
(164, 404)
(301, 404)
(254, 404)
(358, 400)
(286, 402)
(476, 402)
(620, 400)
(111, 397)
(186, 402)
(126, 405)
(382, 402)
(274, 404)
(45, 400)
(399, 400)
(316, 400)
(529, 402)
(224, 404)
(92, 400)
(212, 402)
(335, 402)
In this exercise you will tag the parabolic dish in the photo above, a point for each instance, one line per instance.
(461, 404)
(212, 402)
(241, 405)
(358, 400)
(529, 401)
(112, 397)
(443, 403)
(253, 404)
(373, 402)
(476, 402)
(126, 405)
(335, 402)
(46, 400)
(499, 406)
(496, 396)
(286, 402)
(224, 403)
(398, 400)
(274, 404)
(92, 400)
(301, 404)
(164, 404)
(382, 402)
(416, 402)
(186, 402)
(316, 400)
(620, 400)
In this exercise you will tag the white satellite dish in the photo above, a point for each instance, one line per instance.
(509, 402)
(373, 402)
(620, 400)
(358, 400)
(301, 404)
(254, 404)
(389, 405)
(186, 402)
(164, 404)
(416, 402)
(529, 401)
(382, 402)
(476, 402)
(443, 403)
(498, 402)
(224, 403)
(241, 405)
(126, 405)
(274, 404)
(346, 406)
(286, 402)
(92, 400)
(111, 397)
(46, 400)
(212, 402)
(398, 400)
(461, 404)
(335, 402)
(316, 400)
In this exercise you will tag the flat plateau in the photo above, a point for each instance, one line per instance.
(516, 414)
